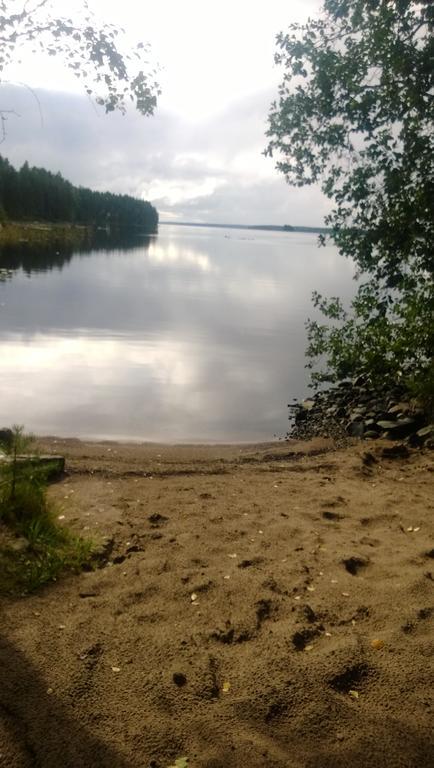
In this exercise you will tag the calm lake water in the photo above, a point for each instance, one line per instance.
(196, 334)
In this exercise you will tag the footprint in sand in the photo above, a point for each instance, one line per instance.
(354, 564)
(333, 516)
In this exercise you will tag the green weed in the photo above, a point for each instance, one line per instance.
(34, 548)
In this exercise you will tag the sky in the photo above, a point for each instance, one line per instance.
(199, 158)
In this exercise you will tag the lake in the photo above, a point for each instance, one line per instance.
(192, 335)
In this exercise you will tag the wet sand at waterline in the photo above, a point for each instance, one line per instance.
(261, 605)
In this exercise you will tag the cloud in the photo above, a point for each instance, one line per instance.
(209, 170)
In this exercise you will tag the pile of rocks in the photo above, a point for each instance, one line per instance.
(359, 409)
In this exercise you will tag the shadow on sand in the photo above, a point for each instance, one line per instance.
(38, 729)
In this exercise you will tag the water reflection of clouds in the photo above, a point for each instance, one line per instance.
(200, 337)
(113, 358)
(125, 388)
(172, 255)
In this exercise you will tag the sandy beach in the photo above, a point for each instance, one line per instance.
(257, 605)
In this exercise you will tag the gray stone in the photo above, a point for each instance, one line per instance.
(356, 416)
(406, 422)
(426, 431)
(399, 408)
(308, 404)
(387, 424)
(356, 428)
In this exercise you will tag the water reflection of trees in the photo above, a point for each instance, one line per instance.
(44, 257)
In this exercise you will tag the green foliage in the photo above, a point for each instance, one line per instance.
(34, 193)
(92, 50)
(355, 113)
(16, 478)
(51, 553)
(26, 512)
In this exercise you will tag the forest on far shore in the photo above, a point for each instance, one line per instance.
(37, 194)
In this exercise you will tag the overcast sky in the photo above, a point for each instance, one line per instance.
(200, 157)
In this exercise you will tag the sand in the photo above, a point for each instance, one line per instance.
(263, 605)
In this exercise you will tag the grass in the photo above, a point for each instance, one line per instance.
(36, 233)
(34, 548)
(48, 556)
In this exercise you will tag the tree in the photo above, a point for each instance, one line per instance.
(355, 113)
(34, 193)
(91, 50)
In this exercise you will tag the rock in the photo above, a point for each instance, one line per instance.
(407, 421)
(399, 408)
(356, 428)
(356, 416)
(426, 431)
(398, 429)
(387, 424)
(340, 413)
(358, 409)
(307, 404)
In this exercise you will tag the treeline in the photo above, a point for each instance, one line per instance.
(36, 194)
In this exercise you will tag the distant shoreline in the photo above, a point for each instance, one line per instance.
(262, 227)
(58, 233)
(36, 232)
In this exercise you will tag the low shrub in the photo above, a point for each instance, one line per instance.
(34, 548)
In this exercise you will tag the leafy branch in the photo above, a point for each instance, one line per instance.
(114, 77)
